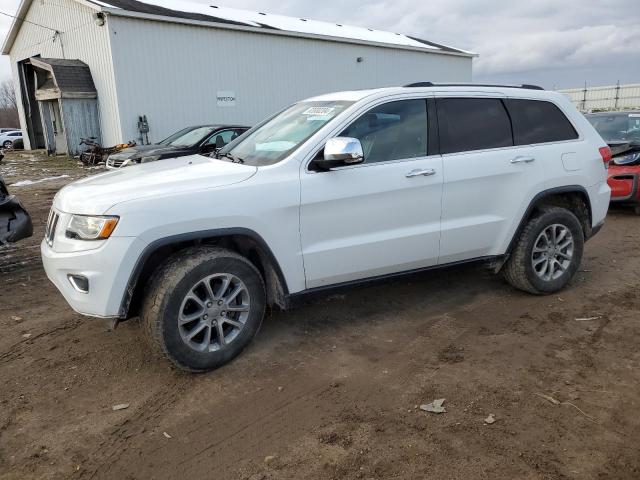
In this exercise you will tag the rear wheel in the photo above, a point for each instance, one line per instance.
(548, 252)
(203, 307)
(7, 144)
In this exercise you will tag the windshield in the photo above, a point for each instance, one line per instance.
(617, 126)
(187, 137)
(273, 140)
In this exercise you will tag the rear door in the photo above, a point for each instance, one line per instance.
(487, 180)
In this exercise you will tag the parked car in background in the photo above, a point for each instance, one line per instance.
(6, 130)
(15, 222)
(621, 130)
(8, 138)
(203, 139)
(333, 191)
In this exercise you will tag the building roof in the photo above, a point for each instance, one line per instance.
(217, 16)
(69, 76)
(245, 18)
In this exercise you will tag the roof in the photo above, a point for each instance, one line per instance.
(70, 78)
(516, 91)
(223, 17)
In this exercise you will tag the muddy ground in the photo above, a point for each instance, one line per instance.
(331, 389)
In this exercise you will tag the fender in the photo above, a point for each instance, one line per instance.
(194, 236)
(539, 196)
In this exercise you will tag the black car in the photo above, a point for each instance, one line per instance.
(204, 139)
(15, 222)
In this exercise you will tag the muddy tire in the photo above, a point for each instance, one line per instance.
(203, 307)
(547, 254)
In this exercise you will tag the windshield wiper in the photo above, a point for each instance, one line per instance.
(230, 157)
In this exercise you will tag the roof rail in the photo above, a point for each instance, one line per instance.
(431, 84)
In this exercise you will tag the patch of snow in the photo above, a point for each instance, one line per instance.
(24, 183)
(290, 24)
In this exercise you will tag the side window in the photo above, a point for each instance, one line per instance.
(538, 121)
(467, 124)
(220, 139)
(392, 131)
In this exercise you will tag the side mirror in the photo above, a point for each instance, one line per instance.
(340, 151)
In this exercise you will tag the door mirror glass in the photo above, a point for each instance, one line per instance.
(341, 151)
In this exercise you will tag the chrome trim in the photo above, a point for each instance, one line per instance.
(424, 172)
(75, 286)
(50, 229)
(522, 159)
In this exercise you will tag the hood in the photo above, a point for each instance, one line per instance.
(619, 147)
(145, 150)
(96, 194)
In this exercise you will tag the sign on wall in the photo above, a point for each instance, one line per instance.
(226, 98)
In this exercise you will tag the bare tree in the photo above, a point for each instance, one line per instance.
(8, 105)
(8, 95)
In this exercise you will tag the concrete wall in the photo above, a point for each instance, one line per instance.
(173, 72)
(81, 39)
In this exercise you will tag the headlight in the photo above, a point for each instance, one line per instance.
(150, 158)
(627, 159)
(85, 227)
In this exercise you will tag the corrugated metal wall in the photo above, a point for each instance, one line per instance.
(613, 97)
(81, 39)
(80, 120)
(172, 72)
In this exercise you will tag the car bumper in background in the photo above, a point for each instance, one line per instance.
(624, 186)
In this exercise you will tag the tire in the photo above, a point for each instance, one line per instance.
(7, 144)
(170, 313)
(525, 269)
(637, 209)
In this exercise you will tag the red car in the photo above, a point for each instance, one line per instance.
(621, 130)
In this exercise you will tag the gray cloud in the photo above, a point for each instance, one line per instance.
(558, 43)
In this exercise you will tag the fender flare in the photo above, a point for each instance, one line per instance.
(187, 237)
(539, 196)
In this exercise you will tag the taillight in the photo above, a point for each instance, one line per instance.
(605, 153)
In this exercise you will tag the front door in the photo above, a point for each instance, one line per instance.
(378, 217)
(59, 136)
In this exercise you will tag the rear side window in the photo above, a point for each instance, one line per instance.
(468, 124)
(538, 121)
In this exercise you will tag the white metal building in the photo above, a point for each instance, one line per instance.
(181, 63)
(611, 97)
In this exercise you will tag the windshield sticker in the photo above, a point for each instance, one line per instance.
(319, 111)
(634, 115)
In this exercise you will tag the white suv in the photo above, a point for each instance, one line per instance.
(334, 190)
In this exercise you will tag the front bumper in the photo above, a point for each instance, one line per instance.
(107, 269)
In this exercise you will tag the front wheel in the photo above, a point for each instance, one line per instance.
(548, 252)
(7, 144)
(204, 306)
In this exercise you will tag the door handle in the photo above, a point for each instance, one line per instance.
(521, 159)
(420, 172)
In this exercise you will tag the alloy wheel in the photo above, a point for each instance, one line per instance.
(214, 312)
(552, 252)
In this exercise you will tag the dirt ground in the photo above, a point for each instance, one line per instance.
(331, 389)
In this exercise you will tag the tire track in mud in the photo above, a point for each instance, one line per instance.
(108, 451)
(18, 350)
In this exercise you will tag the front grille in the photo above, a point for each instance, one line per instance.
(50, 230)
(115, 162)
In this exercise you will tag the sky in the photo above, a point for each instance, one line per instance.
(553, 43)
